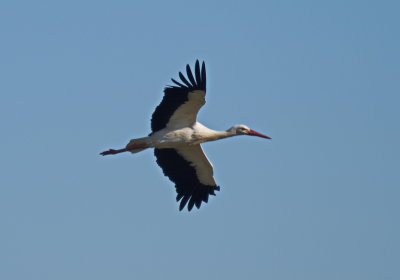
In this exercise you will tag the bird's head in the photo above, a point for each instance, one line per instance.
(244, 130)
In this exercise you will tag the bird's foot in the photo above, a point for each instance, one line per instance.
(110, 152)
(113, 152)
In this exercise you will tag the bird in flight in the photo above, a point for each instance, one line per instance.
(177, 136)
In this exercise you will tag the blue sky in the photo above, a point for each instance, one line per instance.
(319, 201)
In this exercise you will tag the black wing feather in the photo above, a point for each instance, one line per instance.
(175, 96)
(184, 80)
(203, 76)
(190, 75)
(197, 73)
(188, 187)
(178, 83)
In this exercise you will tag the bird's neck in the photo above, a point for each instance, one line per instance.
(204, 134)
(216, 135)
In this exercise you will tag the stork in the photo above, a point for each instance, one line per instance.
(177, 136)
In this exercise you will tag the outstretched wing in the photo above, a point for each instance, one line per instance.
(192, 173)
(181, 102)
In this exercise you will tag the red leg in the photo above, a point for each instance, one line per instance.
(113, 152)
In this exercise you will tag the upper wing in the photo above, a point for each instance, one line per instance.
(181, 103)
(192, 173)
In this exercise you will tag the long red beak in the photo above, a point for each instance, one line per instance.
(255, 133)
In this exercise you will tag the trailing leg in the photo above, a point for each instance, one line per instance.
(113, 152)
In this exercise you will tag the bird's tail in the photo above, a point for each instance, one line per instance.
(137, 145)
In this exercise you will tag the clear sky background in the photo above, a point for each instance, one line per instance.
(319, 201)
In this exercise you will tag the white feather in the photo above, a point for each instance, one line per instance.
(186, 114)
(197, 159)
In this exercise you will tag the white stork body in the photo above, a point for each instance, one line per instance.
(177, 136)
